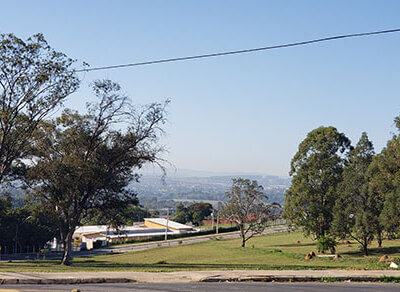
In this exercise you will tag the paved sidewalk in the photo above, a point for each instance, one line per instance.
(194, 276)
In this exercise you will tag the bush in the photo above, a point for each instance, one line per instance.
(97, 244)
(325, 243)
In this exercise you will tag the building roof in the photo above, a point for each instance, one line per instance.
(171, 224)
(105, 228)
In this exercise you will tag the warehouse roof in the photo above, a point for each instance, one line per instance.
(171, 224)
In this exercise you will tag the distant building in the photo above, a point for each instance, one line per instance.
(88, 235)
(172, 225)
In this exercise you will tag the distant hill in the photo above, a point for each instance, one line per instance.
(157, 192)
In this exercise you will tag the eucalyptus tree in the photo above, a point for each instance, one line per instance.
(385, 183)
(247, 208)
(84, 163)
(34, 80)
(356, 213)
(317, 170)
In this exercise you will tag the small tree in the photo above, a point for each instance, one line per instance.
(325, 243)
(247, 208)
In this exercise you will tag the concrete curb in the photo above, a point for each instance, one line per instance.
(74, 281)
(67, 281)
(202, 276)
(296, 279)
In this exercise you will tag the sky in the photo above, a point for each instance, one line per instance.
(243, 113)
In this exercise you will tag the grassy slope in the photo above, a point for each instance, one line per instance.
(274, 251)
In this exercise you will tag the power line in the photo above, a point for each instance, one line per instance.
(242, 51)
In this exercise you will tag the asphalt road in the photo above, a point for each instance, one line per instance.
(208, 287)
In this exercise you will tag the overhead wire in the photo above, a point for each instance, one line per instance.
(301, 43)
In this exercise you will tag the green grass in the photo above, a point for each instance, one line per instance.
(274, 251)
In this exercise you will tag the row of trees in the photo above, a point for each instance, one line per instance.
(24, 229)
(78, 165)
(343, 191)
(194, 213)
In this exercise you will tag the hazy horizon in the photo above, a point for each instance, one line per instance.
(183, 172)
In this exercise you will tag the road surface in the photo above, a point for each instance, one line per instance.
(208, 287)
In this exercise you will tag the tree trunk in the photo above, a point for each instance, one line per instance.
(243, 241)
(365, 246)
(380, 239)
(242, 234)
(66, 259)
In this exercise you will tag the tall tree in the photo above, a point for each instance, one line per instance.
(34, 80)
(316, 169)
(385, 183)
(85, 162)
(247, 208)
(356, 213)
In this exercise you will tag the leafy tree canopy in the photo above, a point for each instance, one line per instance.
(34, 80)
(317, 170)
(356, 211)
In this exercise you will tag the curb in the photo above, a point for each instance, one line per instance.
(71, 281)
(296, 279)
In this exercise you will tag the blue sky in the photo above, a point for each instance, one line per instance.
(244, 113)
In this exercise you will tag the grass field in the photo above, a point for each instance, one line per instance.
(274, 251)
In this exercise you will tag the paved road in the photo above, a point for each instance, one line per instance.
(208, 287)
(140, 246)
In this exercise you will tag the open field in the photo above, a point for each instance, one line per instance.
(273, 251)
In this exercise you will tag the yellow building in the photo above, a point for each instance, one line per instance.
(162, 223)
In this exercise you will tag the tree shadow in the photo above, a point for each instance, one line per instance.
(375, 251)
(194, 266)
(294, 244)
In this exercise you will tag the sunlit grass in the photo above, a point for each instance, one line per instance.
(274, 251)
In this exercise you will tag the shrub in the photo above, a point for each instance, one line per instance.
(97, 244)
(325, 243)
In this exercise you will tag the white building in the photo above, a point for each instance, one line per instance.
(151, 227)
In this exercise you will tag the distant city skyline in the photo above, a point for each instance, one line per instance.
(234, 114)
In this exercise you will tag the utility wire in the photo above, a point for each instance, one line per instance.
(242, 51)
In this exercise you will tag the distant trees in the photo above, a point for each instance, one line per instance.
(24, 229)
(182, 214)
(194, 213)
(83, 163)
(199, 211)
(246, 207)
(317, 171)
